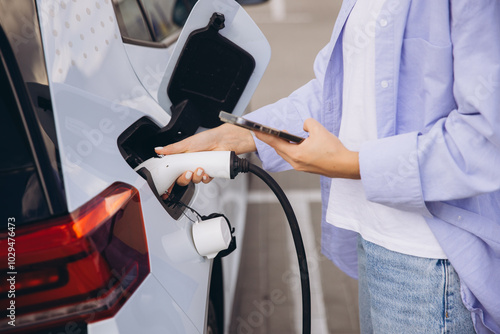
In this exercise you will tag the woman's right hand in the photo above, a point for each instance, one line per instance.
(226, 137)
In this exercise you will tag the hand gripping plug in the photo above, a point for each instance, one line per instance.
(164, 171)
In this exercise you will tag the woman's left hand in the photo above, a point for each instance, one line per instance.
(321, 153)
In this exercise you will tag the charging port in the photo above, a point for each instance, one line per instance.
(137, 145)
(210, 75)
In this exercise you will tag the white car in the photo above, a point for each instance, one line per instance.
(87, 90)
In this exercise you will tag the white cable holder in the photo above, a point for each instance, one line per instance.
(211, 236)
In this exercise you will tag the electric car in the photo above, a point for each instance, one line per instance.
(87, 90)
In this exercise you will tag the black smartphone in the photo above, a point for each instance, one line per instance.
(244, 123)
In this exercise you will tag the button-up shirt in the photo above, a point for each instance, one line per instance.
(437, 81)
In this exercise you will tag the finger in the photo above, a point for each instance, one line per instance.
(179, 147)
(266, 138)
(206, 178)
(282, 147)
(185, 178)
(167, 193)
(198, 175)
(277, 143)
(311, 124)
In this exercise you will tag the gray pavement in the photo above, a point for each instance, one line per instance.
(268, 296)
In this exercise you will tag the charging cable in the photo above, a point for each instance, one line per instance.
(241, 165)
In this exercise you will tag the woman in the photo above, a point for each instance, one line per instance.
(403, 123)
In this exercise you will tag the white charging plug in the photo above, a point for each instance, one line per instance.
(165, 170)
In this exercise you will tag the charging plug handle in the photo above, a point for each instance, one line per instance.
(167, 169)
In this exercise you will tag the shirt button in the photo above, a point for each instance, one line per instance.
(383, 22)
(384, 84)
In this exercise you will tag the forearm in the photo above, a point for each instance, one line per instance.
(235, 138)
(347, 167)
(226, 137)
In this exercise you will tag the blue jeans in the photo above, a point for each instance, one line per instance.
(400, 293)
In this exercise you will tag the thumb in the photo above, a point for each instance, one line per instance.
(311, 125)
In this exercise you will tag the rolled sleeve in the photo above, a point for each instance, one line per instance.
(390, 172)
(291, 112)
(280, 115)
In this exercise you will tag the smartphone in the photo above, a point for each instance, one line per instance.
(244, 123)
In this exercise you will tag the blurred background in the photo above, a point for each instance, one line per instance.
(268, 296)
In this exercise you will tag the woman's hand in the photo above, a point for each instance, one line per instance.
(321, 153)
(226, 137)
(198, 176)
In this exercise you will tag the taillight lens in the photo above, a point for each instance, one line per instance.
(81, 267)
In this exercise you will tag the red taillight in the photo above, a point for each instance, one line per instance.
(81, 267)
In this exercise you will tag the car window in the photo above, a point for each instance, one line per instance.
(151, 20)
(131, 20)
(20, 190)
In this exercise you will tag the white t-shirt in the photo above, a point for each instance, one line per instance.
(397, 230)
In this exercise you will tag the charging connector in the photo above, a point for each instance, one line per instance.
(167, 169)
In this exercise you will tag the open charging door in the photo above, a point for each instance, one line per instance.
(216, 64)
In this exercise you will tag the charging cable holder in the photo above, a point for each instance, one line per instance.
(213, 236)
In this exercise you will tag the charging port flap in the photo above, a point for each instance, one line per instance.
(212, 72)
(217, 63)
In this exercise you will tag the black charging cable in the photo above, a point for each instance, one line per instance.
(241, 165)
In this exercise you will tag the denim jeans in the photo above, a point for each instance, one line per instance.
(401, 293)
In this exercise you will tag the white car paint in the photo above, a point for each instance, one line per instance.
(99, 87)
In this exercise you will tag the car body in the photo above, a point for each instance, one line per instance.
(85, 98)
